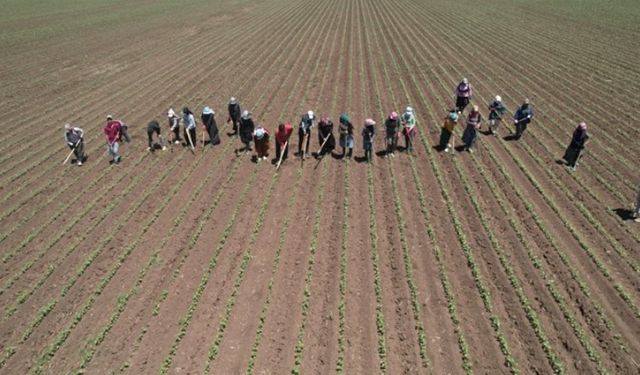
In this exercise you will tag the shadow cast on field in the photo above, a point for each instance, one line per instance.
(624, 213)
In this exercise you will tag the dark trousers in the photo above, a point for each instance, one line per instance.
(192, 133)
(278, 150)
(392, 143)
(445, 136)
(150, 137)
(461, 103)
(301, 136)
(78, 151)
(521, 127)
(125, 133)
(176, 134)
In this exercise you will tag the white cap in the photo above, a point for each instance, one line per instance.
(465, 81)
(232, 100)
(246, 114)
(498, 98)
(409, 109)
(170, 112)
(67, 126)
(259, 132)
(310, 114)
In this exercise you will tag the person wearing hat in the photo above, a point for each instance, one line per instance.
(154, 127)
(261, 140)
(112, 132)
(522, 118)
(124, 129)
(496, 111)
(392, 126)
(174, 125)
(409, 128)
(209, 123)
(282, 140)
(189, 127)
(447, 130)
(368, 132)
(463, 94)
(346, 136)
(576, 147)
(246, 127)
(74, 138)
(325, 137)
(304, 133)
(234, 114)
(470, 135)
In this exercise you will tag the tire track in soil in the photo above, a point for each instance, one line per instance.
(235, 345)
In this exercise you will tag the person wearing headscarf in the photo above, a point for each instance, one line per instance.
(304, 133)
(447, 130)
(246, 127)
(189, 127)
(283, 135)
(325, 133)
(346, 135)
(174, 125)
(522, 118)
(261, 140)
(409, 128)
(576, 147)
(464, 93)
(470, 135)
(154, 127)
(496, 111)
(392, 126)
(209, 123)
(74, 138)
(368, 132)
(234, 113)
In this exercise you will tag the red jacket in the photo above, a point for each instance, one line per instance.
(112, 131)
(283, 135)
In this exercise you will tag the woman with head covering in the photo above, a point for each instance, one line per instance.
(368, 132)
(174, 125)
(346, 135)
(325, 137)
(209, 123)
(246, 130)
(189, 127)
(408, 128)
(392, 126)
(463, 94)
(576, 147)
(470, 134)
(304, 133)
(261, 140)
(282, 140)
(234, 113)
(447, 130)
(522, 118)
(496, 111)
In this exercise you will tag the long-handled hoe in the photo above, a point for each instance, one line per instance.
(190, 141)
(282, 154)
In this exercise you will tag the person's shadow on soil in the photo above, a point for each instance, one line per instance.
(624, 213)
(381, 154)
(510, 137)
(461, 148)
(360, 159)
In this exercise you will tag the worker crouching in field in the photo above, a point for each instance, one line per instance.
(408, 128)
(112, 132)
(470, 135)
(576, 147)
(346, 136)
(392, 126)
(154, 127)
(283, 135)
(246, 127)
(522, 118)
(74, 137)
(174, 125)
(189, 127)
(368, 132)
(325, 137)
(447, 130)
(208, 118)
(261, 140)
(463, 94)
(496, 111)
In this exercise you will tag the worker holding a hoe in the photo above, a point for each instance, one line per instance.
(304, 134)
(522, 118)
(74, 137)
(112, 132)
(496, 111)
(282, 141)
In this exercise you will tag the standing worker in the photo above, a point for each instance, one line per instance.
(496, 111)
(74, 137)
(346, 136)
(209, 122)
(234, 114)
(246, 127)
(392, 126)
(576, 147)
(261, 140)
(447, 130)
(304, 134)
(325, 137)
(470, 135)
(283, 135)
(409, 128)
(174, 125)
(189, 127)
(124, 129)
(112, 132)
(368, 132)
(154, 127)
(463, 94)
(522, 118)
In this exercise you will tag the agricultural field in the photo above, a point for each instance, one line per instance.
(493, 262)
